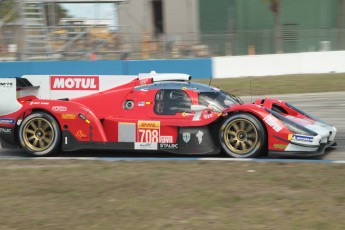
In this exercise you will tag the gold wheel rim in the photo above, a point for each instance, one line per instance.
(38, 134)
(240, 136)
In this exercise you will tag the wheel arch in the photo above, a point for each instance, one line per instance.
(258, 118)
(265, 147)
(48, 116)
(35, 110)
(31, 111)
(232, 113)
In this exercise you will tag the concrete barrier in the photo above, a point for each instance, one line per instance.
(278, 64)
(198, 68)
(17, 69)
(218, 67)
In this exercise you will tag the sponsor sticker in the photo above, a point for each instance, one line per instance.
(273, 122)
(5, 131)
(199, 135)
(148, 124)
(145, 81)
(68, 116)
(80, 134)
(186, 137)
(6, 85)
(141, 103)
(145, 146)
(168, 146)
(59, 108)
(172, 84)
(165, 139)
(74, 83)
(39, 103)
(81, 116)
(301, 138)
(279, 146)
(148, 131)
(8, 121)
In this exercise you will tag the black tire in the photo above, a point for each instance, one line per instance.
(39, 134)
(242, 136)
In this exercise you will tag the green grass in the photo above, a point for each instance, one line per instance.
(306, 83)
(171, 195)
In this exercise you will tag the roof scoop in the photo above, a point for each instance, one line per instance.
(157, 77)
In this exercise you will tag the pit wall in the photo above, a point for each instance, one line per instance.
(218, 67)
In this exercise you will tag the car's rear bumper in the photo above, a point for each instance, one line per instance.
(320, 151)
(7, 137)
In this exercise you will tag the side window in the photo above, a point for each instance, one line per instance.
(170, 102)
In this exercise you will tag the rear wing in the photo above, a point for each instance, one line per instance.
(8, 95)
(23, 83)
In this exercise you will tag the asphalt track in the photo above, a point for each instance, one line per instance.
(329, 107)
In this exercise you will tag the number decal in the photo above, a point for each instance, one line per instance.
(155, 136)
(149, 135)
(141, 135)
(148, 131)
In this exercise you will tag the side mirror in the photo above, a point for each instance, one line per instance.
(197, 108)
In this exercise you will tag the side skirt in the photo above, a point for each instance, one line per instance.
(70, 143)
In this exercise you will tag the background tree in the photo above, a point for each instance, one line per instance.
(54, 12)
(8, 10)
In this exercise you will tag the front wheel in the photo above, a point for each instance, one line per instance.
(242, 136)
(39, 134)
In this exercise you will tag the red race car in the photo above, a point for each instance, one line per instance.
(155, 112)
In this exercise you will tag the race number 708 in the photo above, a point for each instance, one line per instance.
(149, 135)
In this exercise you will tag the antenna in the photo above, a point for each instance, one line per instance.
(209, 84)
(251, 93)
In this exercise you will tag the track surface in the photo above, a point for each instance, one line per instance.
(329, 107)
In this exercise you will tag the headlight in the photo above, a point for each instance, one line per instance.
(292, 126)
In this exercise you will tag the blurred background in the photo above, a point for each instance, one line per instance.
(162, 29)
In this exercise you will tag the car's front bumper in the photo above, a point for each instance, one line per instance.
(319, 152)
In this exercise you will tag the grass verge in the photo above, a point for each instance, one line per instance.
(306, 83)
(171, 195)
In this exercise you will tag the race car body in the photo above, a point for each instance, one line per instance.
(154, 112)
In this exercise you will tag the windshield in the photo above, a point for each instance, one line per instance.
(218, 101)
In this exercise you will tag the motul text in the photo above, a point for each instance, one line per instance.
(74, 83)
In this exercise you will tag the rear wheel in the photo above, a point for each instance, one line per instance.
(242, 136)
(39, 134)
